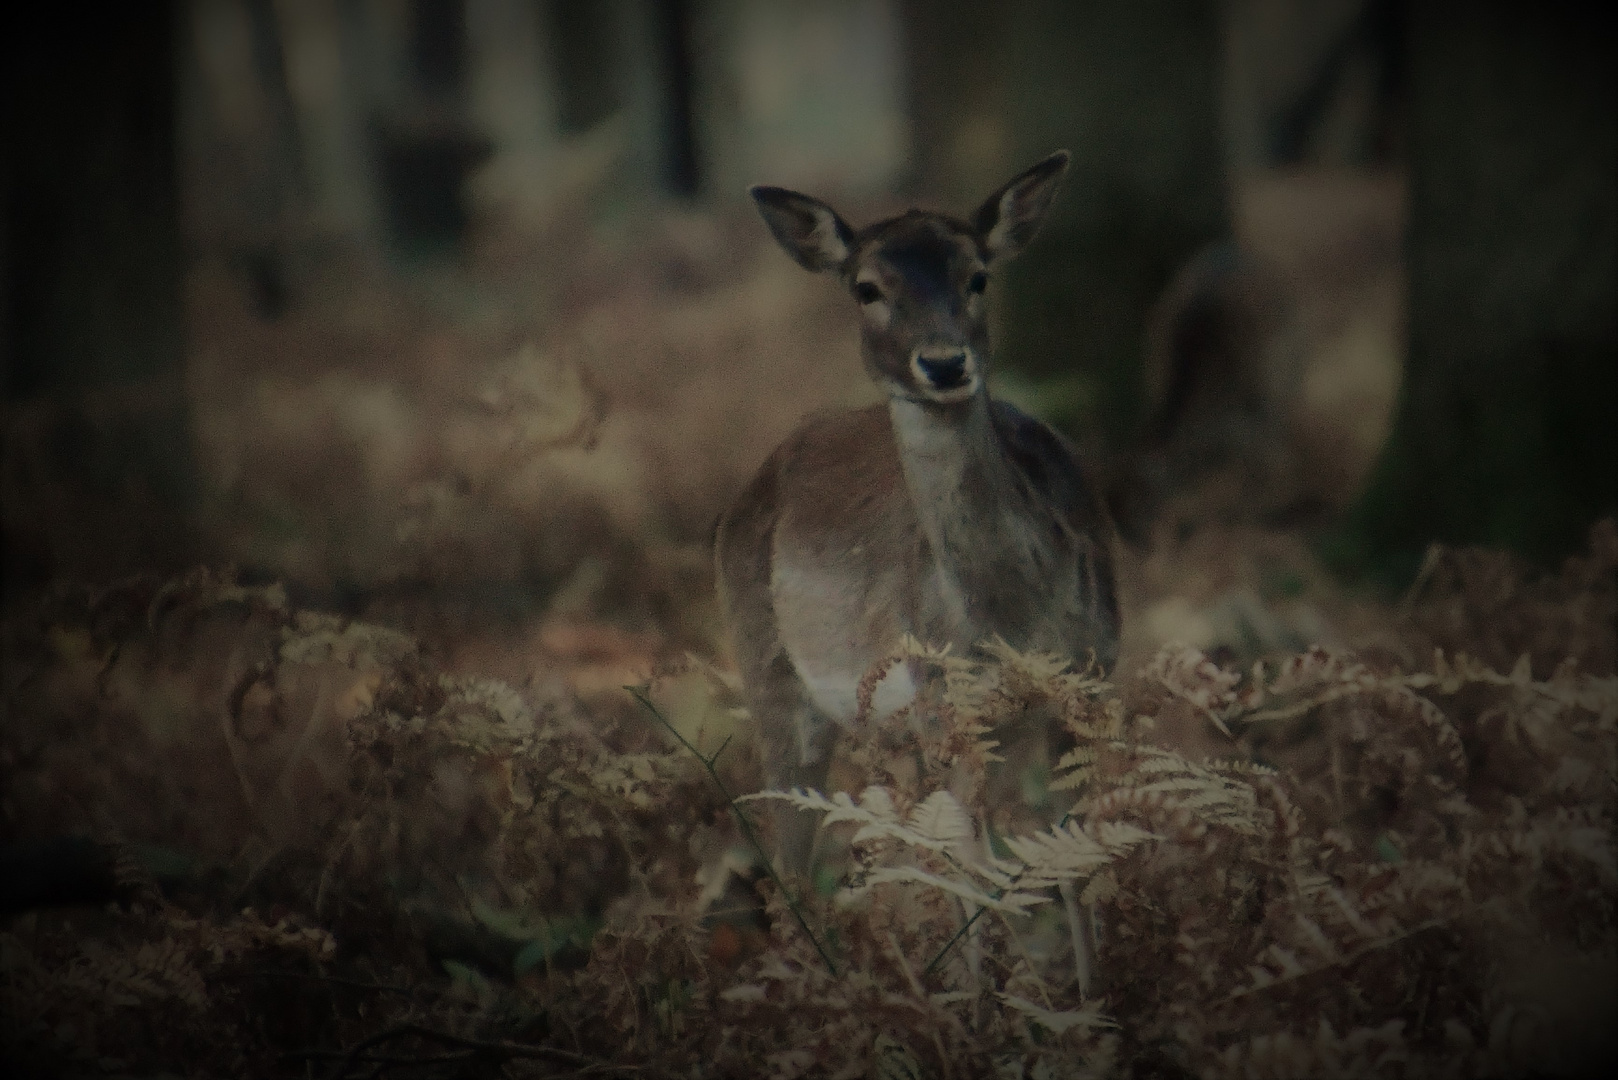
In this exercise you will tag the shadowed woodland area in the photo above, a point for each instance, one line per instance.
(375, 372)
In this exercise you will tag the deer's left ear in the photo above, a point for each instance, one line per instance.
(1009, 218)
(811, 231)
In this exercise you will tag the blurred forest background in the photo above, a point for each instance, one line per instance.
(374, 372)
(463, 299)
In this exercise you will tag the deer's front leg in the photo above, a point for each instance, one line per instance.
(796, 741)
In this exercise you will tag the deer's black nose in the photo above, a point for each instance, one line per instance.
(944, 372)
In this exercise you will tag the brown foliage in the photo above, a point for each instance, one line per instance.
(1391, 870)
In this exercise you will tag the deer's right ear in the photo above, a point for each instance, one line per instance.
(810, 230)
(1010, 217)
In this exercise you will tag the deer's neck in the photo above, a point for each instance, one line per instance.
(989, 547)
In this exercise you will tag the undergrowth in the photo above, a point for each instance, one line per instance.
(335, 860)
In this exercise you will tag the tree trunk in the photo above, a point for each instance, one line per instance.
(957, 98)
(1507, 430)
(1132, 89)
(97, 463)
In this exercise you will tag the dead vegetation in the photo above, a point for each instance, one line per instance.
(334, 858)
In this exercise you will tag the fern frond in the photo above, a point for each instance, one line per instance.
(1067, 852)
(1058, 1022)
(1010, 903)
(939, 823)
(941, 819)
(1118, 837)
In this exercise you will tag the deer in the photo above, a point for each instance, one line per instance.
(943, 513)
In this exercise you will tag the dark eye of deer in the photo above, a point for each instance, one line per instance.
(978, 282)
(866, 293)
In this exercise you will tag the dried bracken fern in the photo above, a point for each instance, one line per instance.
(1389, 868)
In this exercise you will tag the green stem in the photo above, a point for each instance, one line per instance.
(640, 695)
(998, 893)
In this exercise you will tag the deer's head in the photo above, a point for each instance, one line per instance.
(919, 278)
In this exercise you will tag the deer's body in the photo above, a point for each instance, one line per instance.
(943, 513)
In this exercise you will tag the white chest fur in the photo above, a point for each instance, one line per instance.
(835, 625)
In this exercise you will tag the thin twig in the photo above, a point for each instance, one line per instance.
(353, 1053)
(1429, 563)
(336, 980)
(381, 1059)
(997, 894)
(640, 695)
(921, 999)
(357, 1054)
(1344, 960)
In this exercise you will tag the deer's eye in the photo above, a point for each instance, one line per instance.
(866, 292)
(978, 282)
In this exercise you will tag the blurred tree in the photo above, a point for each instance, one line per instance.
(425, 136)
(240, 165)
(90, 269)
(1132, 89)
(956, 99)
(584, 52)
(321, 45)
(514, 97)
(809, 94)
(1367, 49)
(1507, 432)
(681, 174)
(92, 251)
